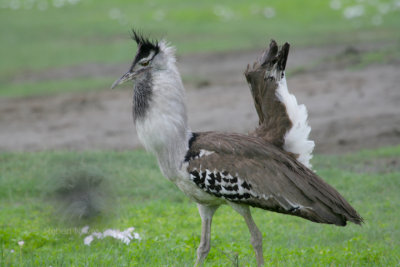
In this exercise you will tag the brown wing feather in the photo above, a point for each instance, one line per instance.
(278, 182)
(263, 79)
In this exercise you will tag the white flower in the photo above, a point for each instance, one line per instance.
(73, 2)
(159, 15)
(12, 251)
(335, 4)
(353, 11)
(85, 229)
(15, 4)
(115, 13)
(21, 243)
(124, 236)
(269, 12)
(42, 5)
(377, 20)
(98, 235)
(58, 3)
(396, 4)
(383, 8)
(88, 240)
(224, 12)
(136, 235)
(110, 232)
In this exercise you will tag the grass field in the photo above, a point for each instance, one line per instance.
(138, 196)
(36, 37)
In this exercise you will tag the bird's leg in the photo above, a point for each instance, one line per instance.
(256, 236)
(206, 214)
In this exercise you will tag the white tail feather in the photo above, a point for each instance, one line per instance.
(296, 139)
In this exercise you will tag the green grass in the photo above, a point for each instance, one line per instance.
(168, 222)
(35, 41)
(57, 86)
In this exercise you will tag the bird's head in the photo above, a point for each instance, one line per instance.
(150, 57)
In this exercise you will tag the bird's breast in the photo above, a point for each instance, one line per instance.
(190, 189)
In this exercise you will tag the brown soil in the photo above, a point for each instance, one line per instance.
(348, 109)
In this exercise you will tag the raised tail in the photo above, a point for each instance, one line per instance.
(282, 121)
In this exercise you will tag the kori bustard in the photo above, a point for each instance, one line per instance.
(267, 169)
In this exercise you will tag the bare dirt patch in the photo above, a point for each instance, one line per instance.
(348, 109)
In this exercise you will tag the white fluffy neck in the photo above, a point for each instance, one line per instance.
(164, 129)
(296, 139)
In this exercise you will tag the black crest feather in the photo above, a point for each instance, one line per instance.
(145, 47)
(144, 41)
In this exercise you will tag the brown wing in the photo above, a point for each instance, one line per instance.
(263, 78)
(246, 169)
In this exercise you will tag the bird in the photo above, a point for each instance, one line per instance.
(267, 169)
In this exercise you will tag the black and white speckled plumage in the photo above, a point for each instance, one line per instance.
(222, 184)
(247, 170)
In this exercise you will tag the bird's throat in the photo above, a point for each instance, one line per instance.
(161, 120)
(142, 94)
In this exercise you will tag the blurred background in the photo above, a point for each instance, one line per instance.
(68, 146)
(59, 58)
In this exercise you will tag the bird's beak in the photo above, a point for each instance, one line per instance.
(126, 77)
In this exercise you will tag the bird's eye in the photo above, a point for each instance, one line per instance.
(144, 63)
